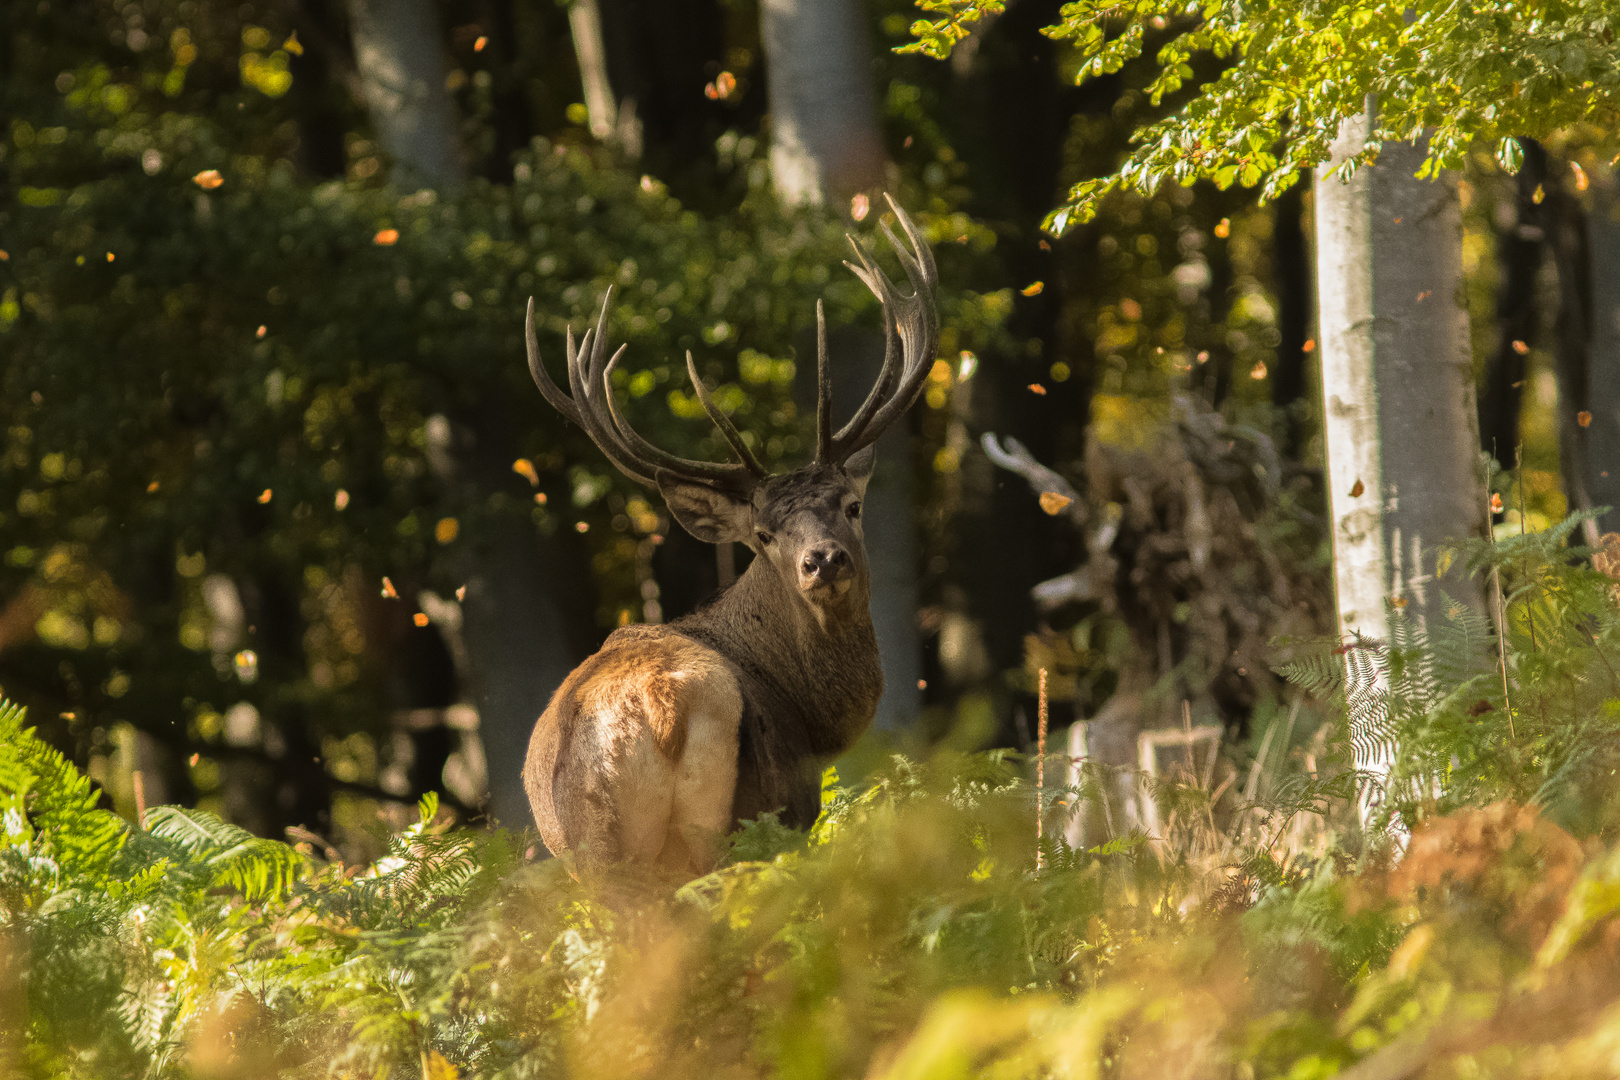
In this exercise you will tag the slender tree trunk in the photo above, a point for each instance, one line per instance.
(1603, 436)
(1568, 244)
(1397, 384)
(1291, 277)
(400, 57)
(1519, 250)
(825, 143)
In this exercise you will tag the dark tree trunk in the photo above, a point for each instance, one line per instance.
(1519, 254)
(1293, 283)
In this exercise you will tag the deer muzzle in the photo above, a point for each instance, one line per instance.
(824, 565)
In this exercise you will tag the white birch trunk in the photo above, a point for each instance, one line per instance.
(1398, 388)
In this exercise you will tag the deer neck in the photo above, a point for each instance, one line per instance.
(818, 662)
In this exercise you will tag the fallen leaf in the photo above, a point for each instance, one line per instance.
(1357, 489)
(525, 468)
(208, 179)
(1045, 246)
(388, 590)
(1424, 295)
(1053, 503)
(1033, 288)
(1037, 388)
(386, 237)
(1583, 418)
(1397, 221)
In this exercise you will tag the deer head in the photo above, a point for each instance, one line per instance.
(805, 524)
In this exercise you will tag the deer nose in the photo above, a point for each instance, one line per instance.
(825, 563)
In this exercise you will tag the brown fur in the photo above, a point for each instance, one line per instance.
(671, 735)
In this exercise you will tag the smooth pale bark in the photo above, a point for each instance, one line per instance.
(611, 120)
(825, 143)
(1397, 383)
(400, 58)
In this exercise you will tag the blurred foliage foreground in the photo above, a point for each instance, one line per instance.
(913, 931)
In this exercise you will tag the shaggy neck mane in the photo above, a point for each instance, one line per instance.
(820, 668)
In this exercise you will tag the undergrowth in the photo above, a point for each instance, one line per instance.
(1473, 930)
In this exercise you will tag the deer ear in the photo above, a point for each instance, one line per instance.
(708, 513)
(859, 468)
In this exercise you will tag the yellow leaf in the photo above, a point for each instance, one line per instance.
(525, 468)
(293, 45)
(446, 530)
(436, 1067)
(1053, 503)
(1033, 288)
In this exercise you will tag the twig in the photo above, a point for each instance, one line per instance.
(1529, 609)
(1040, 774)
(1501, 609)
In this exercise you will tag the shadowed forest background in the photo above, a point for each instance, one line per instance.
(286, 530)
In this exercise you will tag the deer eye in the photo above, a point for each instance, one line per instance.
(853, 510)
(763, 537)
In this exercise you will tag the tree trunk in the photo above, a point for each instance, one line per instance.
(610, 120)
(825, 142)
(888, 521)
(1397, 384)
(1291, 278)
(400, 57)
(522, 611)
(1603, 436)
(1518, 256)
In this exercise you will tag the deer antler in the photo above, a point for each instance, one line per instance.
(592, 407)
(911, 331)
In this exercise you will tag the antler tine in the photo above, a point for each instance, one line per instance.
(591, 405)
(648, 454)
(728, 430)
(537, 370)
(824, 432)
(614, 448)
(912, 319)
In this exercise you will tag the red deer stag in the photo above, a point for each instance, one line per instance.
(659, 744)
